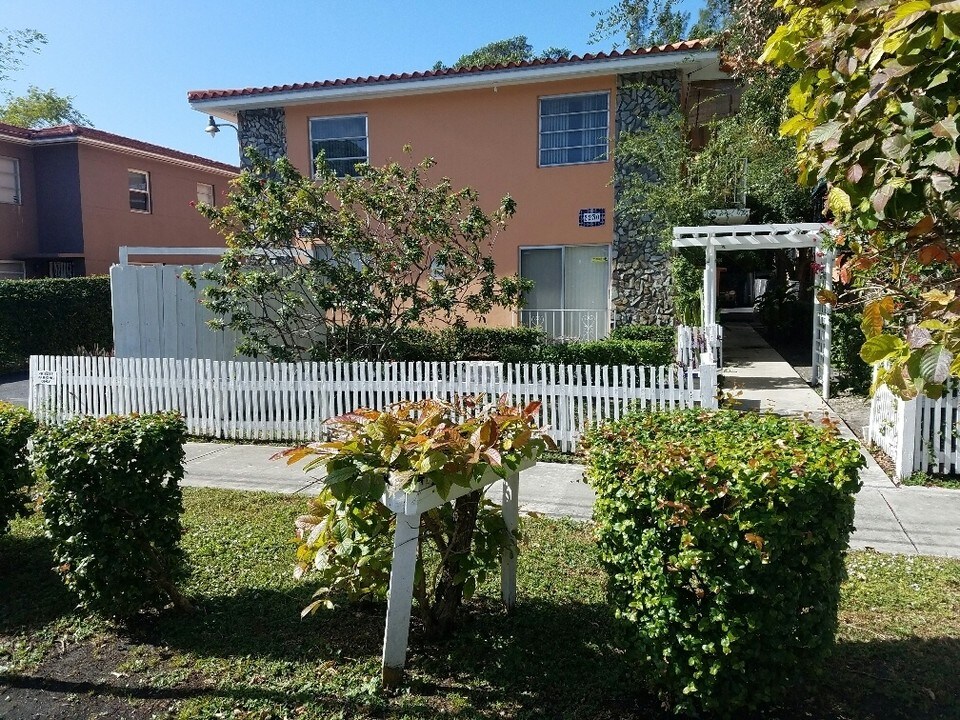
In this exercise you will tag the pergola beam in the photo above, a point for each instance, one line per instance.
(750, 237)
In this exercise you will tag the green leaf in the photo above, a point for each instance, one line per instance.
(882, 347)
(935, 364)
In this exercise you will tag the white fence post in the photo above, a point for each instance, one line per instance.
(906, 437)
(708, 382)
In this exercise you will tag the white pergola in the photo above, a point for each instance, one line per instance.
(714, 238)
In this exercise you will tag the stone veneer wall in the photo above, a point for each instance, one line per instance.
(264, 130)
(641, 281)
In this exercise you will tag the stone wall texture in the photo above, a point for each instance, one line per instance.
(641, 281)
(264, 130)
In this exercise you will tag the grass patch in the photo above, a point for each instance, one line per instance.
(247, 654)
(920, 479)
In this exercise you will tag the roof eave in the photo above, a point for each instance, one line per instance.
(696, 60)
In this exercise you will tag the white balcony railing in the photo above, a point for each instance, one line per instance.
(581, 324)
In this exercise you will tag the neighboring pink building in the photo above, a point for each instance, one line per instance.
(71, 196)
(542, 131)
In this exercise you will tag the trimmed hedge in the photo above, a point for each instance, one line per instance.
(724, 537)
(113, 508)
(16, 427)
(52, 316)
(596, 352)
(665, 334)
(653, 345)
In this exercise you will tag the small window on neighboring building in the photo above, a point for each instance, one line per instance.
(574, 129)
(205, 194)
(139, 190)
(62, 269)
(343, 139)
(9, 180)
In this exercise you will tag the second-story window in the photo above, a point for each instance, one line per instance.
(343, 139)
(574, 129)
(139, 182)
(205, 194)
(9, 180)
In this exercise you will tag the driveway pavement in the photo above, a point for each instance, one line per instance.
(15, 388)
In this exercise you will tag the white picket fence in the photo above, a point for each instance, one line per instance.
(692, 342)
(919, 434)
(290, 401)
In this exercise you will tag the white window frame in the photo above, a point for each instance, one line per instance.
(213, 194)
(540, 148)
(17, 189)
(148, 192)
(366, 136)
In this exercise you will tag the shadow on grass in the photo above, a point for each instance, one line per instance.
(913, 678)
(33, 593)
(266, 624)
(546, 659)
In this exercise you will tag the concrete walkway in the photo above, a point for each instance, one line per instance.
(904, 520)
(889, 518)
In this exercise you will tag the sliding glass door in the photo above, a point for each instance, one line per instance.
(570, 297)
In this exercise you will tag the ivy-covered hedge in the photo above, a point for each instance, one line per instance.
(53, 317)
(724, 537)
(113, 508)
(16, 427)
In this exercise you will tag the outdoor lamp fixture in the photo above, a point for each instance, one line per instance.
(213, 127)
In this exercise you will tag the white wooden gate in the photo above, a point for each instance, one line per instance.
(157, 314)
(822, 331)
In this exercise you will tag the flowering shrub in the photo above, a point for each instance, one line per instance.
(347, 536)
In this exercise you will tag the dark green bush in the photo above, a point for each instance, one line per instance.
(724, 537)
(113, 508)
(488, 343)
(649, 345)
(656, 333)
(16, 427)
(53, 317)
(603, 352)
(847, 338)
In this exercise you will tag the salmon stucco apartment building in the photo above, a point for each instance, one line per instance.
(542, 131)
(71, 196)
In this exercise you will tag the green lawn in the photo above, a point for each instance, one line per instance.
(247, 654)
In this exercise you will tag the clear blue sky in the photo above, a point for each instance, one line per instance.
(130, 64)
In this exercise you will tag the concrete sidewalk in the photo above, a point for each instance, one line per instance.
(910, 521)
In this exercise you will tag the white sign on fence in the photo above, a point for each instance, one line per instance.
(45, 377)
(290, 401)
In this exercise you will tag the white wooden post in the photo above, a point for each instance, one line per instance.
(827, 331)
(400, 598)
(708, 306)
(708, 382)
(906, 437)
(508, 560)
